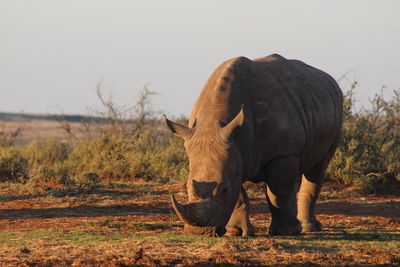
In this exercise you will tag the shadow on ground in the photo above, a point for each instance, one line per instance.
(388, 209)
(86, 211)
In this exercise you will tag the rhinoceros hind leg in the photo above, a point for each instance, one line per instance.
(306, 199)
(239, 223)
(315, 226)
(281, 175)
(310, 187)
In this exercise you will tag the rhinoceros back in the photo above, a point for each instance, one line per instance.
(290, 108)
(297, 110)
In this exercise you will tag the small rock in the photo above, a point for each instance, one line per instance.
(25, 250)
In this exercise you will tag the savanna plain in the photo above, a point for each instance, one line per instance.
(97, 193)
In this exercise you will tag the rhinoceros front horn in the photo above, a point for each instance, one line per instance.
(183, 211)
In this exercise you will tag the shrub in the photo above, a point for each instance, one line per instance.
(121, 142)
(46, 152)
(368, 156)
(158, 158)
(104, 156)
(8, 137)
(128, 144)
(125, 121)
(171, 160)
(13, 166)
(149, 155)
(46, 162)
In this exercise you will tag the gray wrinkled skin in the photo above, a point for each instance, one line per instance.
(268, 120)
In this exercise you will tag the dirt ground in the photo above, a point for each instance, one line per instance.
(131, 224)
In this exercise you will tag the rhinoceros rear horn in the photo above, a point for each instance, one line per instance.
(235, 123)
(178, 129)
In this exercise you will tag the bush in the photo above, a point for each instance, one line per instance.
(13, 166)
(104, 156)
(131, 145)
(126, 121)
(368, 156)
(46, 162)
(8, 137)
(45, 152)
(121, 142)
(158, 158)
(110, 157)
(150, 155)
(171, 160)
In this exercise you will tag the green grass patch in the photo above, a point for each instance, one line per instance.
(333, 241)
(21, 238)
(149, 226)
(82, 237)
(176, 237)
(146, 226)
(57, 237)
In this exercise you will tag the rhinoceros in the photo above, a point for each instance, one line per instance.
(270, 120)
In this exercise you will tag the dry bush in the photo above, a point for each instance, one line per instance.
(159, 158)
(9, 137)
(368, 156)
(13, 166)
(124, 121)
(121, 142)
(110, 157)
(104, 157)
(125, 143)
(46, 162)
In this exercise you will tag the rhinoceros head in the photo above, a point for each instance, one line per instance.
(215, 176)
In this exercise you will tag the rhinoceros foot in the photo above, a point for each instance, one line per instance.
(249, 230)
(311, 226)
(284, 229)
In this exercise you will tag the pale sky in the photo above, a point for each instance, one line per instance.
(53, 53)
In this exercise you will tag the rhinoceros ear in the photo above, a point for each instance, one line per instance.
(178, 129)
(235, 123)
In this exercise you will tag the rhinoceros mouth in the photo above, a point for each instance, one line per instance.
(213, 231)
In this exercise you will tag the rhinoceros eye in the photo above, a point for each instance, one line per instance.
(225, 190)
(222, 124)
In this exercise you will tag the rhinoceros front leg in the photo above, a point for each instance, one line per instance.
(281, 175)
(239, 223)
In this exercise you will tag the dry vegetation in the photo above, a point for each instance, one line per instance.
(99, 195)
